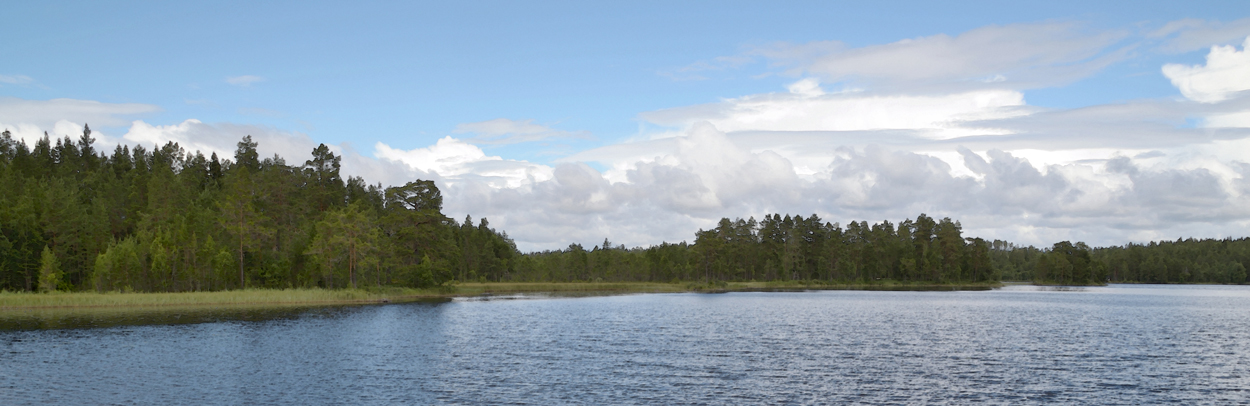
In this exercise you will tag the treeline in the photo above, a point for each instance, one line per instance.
(1180, 261)
(783, 248)
(1064, 263)
(74, 218)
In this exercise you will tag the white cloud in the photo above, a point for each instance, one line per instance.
(664, 199)
(46, 113)
(808, 108)
(809, 87)
(809, 128)
(27, 120)
(689, 181)
(244, 80)
(16, 79)
(691, 72)
(1141, 124)
(506, 131)
(455, 159)
(1193, 34)
(1036, 176)
(223, 138)
(449, 156)
(502, 126)
(1011, 56)
(30, 133)
(935, 124)
(1227, 72)
(1098, 196)
(1228, 120)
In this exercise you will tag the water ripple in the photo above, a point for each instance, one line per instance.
(1114, 345)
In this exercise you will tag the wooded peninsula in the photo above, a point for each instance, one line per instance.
(73, 218)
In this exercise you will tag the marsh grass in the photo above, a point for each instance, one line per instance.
(267, 297)
(11, 300)
(59, 310)
(883, 284)
(495, 288)
(54, 300)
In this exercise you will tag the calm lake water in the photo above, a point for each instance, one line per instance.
(1116, 345)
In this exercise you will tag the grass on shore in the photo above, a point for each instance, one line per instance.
(29, 300)
(22, 300)
(10, 300)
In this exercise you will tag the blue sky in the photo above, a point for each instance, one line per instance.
(408, 73)
(555, 88)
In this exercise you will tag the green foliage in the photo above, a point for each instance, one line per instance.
(1236, 272)
(166, 220)
(49, 271)
(777, 248)
(1069, 264)
(344, 236)
(1180, 261)
(119, 267)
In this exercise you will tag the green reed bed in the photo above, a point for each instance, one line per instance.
(23, 300)
(473, 289)
(11, 300)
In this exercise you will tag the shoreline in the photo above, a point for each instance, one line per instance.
(19, 301)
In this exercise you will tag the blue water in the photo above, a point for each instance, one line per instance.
(1122, 344)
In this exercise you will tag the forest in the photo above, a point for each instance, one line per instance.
(75, 218)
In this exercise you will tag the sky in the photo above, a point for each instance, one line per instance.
(642, 122)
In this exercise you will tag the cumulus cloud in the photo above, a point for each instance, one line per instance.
(223, 138)
(1222, 82)
(244, 80)
(455, 159)
(506, 131)
(707, 174)
(662, 199)
(27, 120)
(1006, 169)
(1226, 73)
(704, 174)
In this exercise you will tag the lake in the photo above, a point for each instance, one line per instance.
(1123, 344)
